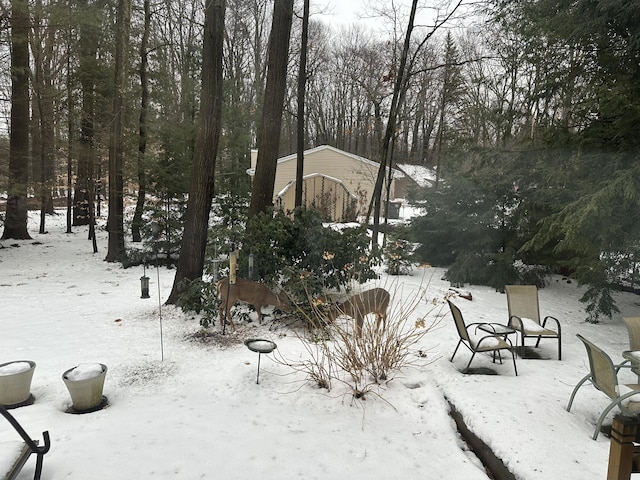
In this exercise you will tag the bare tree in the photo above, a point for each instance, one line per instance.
(399, 92)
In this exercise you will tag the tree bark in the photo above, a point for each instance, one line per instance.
(142, 137)
(269, 134)
(115, 221)
(194, 239)
(302, 82)
(399, 88)
(15, 224)
(87, 74)
(42, 46)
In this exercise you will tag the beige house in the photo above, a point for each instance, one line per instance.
(338, 183)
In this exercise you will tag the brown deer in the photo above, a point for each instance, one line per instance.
(253, 293)
(360, 305)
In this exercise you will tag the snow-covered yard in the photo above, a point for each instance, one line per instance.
(183, 408)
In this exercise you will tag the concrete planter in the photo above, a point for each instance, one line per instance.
(15, 382)
(85, 383)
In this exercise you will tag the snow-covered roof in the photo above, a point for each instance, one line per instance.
(423, 176)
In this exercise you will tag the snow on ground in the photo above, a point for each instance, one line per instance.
(186, 409)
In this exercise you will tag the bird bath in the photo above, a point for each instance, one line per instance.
(260, 346)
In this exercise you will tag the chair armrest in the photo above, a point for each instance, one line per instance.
(33, 446)
(476, 324)
(549, 317)
(515, 322)
(493, 328)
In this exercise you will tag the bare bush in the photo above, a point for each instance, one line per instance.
(366, 361)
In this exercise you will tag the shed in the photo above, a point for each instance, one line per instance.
(333, 175)
(326, 194)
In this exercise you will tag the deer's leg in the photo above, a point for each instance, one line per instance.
(259, 310)
(221, 309)
(226, 307)
(233, 326)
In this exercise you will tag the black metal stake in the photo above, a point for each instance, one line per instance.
(155, 229)
(258, 375)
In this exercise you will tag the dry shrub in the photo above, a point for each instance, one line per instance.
(336, 355)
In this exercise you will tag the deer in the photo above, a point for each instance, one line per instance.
(375, 300)
(248, 291)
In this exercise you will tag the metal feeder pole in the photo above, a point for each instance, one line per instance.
(258, 375)
(233, 265)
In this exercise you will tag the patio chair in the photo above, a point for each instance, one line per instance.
(483, 342)
(18, 452)
(603, 376)
(524, 316)
(633, 327)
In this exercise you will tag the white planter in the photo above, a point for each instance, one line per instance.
(15, 381)
(85, 383)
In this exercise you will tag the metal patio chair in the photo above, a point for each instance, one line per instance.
(603, 374)
(524, 316)
(22, 449)
(484, 342)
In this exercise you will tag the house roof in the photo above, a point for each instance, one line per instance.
(293, 157)
(423, 176)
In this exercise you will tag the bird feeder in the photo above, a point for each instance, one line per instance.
(144, 284)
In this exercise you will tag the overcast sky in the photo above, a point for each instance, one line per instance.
(350, 11)
(338, 11)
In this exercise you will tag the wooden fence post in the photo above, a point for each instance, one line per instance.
(622, 449)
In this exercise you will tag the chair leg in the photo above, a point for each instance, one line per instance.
(493, 355)
(38, 472)
(559, 347)
(603, 416)
(513, 354)
(575, 390)
(610, 407)
(469, 364)
(455, 351)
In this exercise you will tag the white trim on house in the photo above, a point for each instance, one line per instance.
(312, 175)
(294, 156)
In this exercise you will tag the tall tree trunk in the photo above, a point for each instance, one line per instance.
(87, 75)
(398, 92)
(201, 190)
(269, 134)
(115, 224)
(15, 223)
(302, 81)
(142, 138)
(70, 133)
(43, 40)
